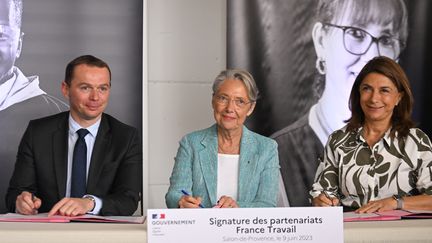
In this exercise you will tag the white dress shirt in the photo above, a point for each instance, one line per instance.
(90, 140)
(227, 175)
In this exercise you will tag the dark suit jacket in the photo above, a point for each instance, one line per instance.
(299, 152)
(13, 122)
(115, 172)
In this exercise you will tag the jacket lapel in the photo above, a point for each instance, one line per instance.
(248, 162)
(100, 150)
(60, 151)
(208, 162)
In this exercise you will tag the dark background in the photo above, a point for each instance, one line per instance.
(272, 39)
(55, 32)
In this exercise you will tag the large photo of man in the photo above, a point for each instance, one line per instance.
(38, 38)
(21, 97)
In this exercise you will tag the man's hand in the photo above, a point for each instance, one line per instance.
(27, 204)
(72, 207)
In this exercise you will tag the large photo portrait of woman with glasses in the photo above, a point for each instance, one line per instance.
(305, 56)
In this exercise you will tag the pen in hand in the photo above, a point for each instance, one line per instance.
(330, 197)
(187, 194)
(36, 203)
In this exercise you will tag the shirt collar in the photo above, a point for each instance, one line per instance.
(74, 127)
(386, 137)
(317, 126)
(18, 88)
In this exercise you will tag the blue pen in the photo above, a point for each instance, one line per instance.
(187, 194)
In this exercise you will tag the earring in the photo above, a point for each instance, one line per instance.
(320, 66)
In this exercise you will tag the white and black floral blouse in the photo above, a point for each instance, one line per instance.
(357, 173)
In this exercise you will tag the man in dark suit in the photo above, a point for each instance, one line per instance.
(50, 174)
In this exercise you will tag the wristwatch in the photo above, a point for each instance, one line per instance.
(399, 201)
(91, 199)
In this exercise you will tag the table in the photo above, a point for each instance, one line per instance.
(413, 230)
(406, 230)
(72, 232)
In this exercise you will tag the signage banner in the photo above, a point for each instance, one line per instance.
(295, 224)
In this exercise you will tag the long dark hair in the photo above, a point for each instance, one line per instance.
(401, 118)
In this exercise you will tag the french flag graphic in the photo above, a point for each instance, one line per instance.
(158, 216)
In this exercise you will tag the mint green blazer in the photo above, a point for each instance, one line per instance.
(195, 169)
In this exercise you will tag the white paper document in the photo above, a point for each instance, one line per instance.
(295, 224)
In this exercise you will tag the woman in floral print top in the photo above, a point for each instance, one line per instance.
(378, 161)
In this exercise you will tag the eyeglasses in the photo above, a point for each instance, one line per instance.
(225, 100)
(358, 41)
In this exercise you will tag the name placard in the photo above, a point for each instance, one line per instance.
(296, 224)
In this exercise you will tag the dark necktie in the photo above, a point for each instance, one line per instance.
(79, 165)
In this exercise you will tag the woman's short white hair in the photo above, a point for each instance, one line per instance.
(241, 75)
